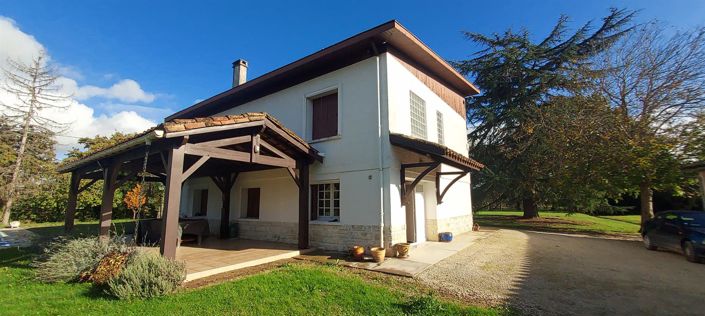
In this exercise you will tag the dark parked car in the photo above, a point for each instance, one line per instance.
(682, 231)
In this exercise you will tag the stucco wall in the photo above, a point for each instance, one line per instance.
(456, 203)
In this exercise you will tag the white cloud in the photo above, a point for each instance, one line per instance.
(16, 44)
(81, 119)
(126, 90)
(83, 122)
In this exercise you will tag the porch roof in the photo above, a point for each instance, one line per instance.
(436, 151)
(201, 128)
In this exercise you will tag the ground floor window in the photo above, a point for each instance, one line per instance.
(250, 202)
(325, 201)
(200, 202)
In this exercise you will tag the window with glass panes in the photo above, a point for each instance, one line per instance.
(418, 115)
(327, 200)
(439, 126)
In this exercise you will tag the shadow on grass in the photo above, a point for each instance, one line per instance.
(47, 233)
(542, 224)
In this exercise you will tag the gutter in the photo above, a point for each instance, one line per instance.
(145, 139)
(379, 142)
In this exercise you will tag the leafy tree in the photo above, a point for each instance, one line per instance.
(135, 199)
(656, 84)
(517, 77)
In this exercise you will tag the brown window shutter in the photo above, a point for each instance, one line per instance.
(314, 202)
(253, 195)
(325, 116)
(204, 202)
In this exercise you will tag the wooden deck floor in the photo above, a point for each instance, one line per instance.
(215, 256)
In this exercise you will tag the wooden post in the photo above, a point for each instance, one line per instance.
(110, 174)
(71, 204)
(303, 203)
(170, 217)
(225, 184)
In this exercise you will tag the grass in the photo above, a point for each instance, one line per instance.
(48, 230)
(562, 222)
(290, 289)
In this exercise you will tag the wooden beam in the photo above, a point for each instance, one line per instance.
(87, 185)
(224, 142)
(218, 153)
(303, 204)
(110, 174)
(403, 187)
(225, 184)
(194, 167)
(293, 175)
(439, 194)
(71, 203)
(170, 218)
(275, 150)
(254, 148)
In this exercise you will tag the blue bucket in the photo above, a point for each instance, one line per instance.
(445, 237)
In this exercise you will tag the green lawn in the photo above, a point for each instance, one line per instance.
(562, 222)
(291, 289)
(49, 230)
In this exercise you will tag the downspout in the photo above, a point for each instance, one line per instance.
(379, 143)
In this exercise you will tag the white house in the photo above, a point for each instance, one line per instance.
(358, 117)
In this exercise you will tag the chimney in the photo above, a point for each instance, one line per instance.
(239, 72)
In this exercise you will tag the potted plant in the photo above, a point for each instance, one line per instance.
(357, 252)
(403, 249)
(378, 253)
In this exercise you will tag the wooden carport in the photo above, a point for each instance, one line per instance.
(216, 147)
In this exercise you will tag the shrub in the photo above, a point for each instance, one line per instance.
(66, 260)
(109, 267)
(147, 275)
(424, 305)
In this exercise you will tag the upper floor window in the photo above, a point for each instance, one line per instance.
(324, 116)
(418, 116)
(439, 126)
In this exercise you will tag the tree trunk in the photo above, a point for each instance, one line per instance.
(12, 187)
(529, 207)
(647, 205)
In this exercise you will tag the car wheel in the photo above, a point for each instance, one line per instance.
(648, 243)
(689, 251)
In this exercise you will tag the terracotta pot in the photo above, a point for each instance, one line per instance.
(378, 253)
(358, 252)
(403, 249)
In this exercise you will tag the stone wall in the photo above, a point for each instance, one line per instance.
(270, 231)
(327, 236)
(456, 225)
(338, 237)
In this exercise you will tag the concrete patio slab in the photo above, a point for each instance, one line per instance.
(421, 257)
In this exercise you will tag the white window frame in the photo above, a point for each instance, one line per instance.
(440, 128)
(308, 113)
(331, 199)
(419, 118)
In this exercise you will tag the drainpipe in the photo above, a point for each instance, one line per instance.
(381, 159)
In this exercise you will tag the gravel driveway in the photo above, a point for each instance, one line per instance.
(551, 274)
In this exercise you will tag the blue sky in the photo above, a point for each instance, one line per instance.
(181, 51)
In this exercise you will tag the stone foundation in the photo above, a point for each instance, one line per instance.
(456, 225)
(270, 231)
(338, 237)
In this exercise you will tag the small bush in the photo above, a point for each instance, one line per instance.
(424, 305)
(147, 275)
(109, 267)
(67, 260)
